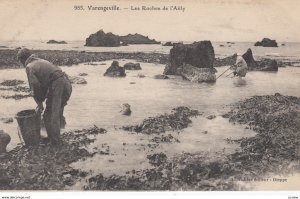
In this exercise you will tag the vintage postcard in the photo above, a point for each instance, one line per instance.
(150, 95)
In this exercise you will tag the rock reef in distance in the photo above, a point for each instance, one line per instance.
(56, 42)
(101, 38)
(266, 42)
(137, 39)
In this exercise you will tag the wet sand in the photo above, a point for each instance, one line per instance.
(274, 149)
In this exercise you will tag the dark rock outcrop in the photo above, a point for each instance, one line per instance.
(115, 70)
(101, 38)
(132, 66)
(227, 61)
(248, 57)
(266, 42)
(160, 76)
(168, 44)
(268, 65)
(56, 42)
(137, 39)
(199, 54)
(263, 65)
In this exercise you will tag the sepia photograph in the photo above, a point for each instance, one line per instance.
(149, 95)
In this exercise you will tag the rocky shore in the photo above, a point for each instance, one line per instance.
(274, 149)
(8, 57)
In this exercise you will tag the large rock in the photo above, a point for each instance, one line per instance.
(4, 141)
(115, 70)
(227, 61)
(266, 42)
(101, 38)
(132, 66)
(199, 54)
(137, 39)
(248, 57)
(56, 42)
(268, 65)
(198, 75)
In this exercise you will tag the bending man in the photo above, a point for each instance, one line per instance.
(49, 82)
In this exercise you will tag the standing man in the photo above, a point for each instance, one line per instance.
(49, 82)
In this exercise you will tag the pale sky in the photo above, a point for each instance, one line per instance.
(216, 20)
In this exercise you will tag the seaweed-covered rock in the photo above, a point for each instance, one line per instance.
(157, 159)
(132, 66)
(178, 119)
(4, 141)
(198, 75)
(115, 70)
(159, 76)
(227, 61)
(268, 65)
(14, 82)
(248, 57)
(199, 54)
(266, 42)
(56, 42)
(101, 38)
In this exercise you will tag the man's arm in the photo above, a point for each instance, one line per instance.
(35, 86)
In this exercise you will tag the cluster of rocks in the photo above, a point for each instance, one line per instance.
(257, 65)
(263, 65)
(193, 62)
(266, 42)
(101, 38)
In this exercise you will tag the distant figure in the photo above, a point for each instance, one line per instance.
(49, 82)
(240, 67)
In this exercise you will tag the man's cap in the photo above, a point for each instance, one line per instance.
(23, 54)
